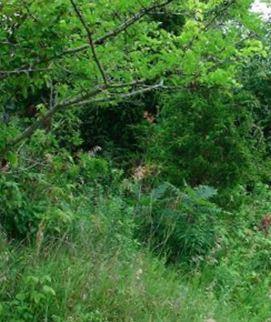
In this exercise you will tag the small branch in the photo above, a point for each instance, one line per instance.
(79, 101)
(130, 21)
(112, 98)
(91, 43)
(4, 73)
(122, 85)
(8, 43)
(40, 122)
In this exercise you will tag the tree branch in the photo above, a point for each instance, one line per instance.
(99, 41)
(80, 101)
(40, 122)
(111, 98)
(4, 73)
(90, 40)
(130, 21)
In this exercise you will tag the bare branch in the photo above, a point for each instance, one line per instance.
(80, 101)
(122, 85)
(4, 73)
(40, 122)
(111, 98)
(8, 43)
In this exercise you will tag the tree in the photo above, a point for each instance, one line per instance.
(75, 53)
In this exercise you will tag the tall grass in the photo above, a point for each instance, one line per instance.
(101, 273)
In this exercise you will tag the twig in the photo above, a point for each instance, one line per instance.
(112, 98)
(22, 71)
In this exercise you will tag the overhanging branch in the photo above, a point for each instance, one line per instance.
(83, 100)
(99, 41)
(90, 40)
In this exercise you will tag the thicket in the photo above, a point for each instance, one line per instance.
(135, 161)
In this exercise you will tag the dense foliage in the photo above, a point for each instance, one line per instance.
(135, 146)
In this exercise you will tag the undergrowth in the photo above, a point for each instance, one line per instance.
(91, 257)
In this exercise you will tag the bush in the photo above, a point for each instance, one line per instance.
(179, 225)
(42, 193)
(207, 138)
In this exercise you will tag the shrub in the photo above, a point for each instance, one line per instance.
(43, 191)
(207, 138)
(180, 225)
